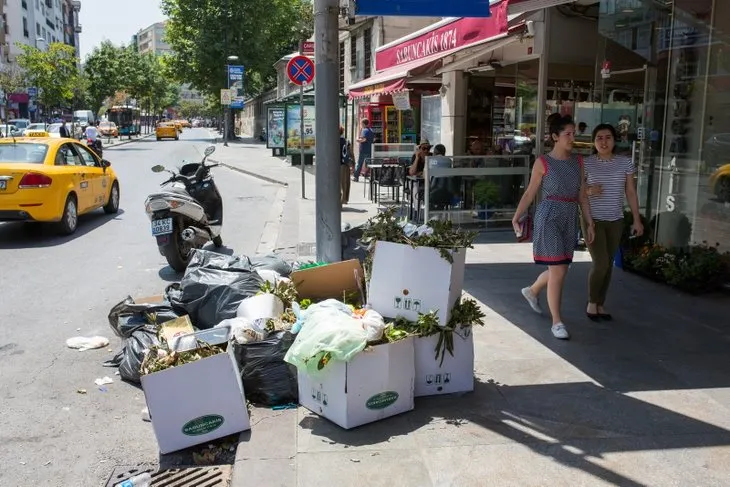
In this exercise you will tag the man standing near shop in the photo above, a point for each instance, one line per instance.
(366, 146)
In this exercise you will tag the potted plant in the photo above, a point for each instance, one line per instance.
(486, 194)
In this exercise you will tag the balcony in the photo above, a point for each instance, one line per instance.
(77, 29)
(25, 5)
(76, 5)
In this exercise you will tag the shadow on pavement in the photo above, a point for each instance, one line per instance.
(26, 235)
(574, 424)
(659, 339)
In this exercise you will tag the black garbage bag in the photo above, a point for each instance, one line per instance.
(352, 248)
(127, 316)
(271, 262)
(130, 357)
(212, 288)
(267, 379)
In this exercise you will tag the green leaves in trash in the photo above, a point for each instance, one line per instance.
(284, 290)
(464, 315)
(447, 238)
(159, 358)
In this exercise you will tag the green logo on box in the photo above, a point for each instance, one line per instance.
(202, 425)
(382, 400)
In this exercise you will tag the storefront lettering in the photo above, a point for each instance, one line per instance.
(432, 44)
(670, 206)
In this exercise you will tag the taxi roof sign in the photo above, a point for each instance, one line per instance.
(36, 133)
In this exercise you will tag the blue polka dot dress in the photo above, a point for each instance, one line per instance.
(556, 218)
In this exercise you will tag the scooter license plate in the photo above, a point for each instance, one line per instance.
(161, 227)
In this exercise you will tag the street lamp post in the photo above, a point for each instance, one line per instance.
(228, 113)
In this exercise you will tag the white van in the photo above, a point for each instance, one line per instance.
(84, 118)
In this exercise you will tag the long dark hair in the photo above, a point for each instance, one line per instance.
(558, 124)
(603, 126)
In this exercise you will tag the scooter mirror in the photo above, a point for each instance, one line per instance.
(209, 150)
(158, 168)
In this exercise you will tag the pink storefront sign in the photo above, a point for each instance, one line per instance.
(455, 35)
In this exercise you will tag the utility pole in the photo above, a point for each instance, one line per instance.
(327, 116)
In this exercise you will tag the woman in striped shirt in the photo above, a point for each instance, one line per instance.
(610, 178)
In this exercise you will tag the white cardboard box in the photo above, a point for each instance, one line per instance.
(376, 384)
(196, 402)
(455, 374)
(407, 280)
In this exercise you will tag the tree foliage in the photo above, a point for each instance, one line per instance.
(12, 80)
(53, 71)
(203, 33)
(120, 73)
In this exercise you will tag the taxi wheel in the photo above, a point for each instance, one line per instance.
(177, 138)
(70, 218)
(158, 138)
(112, 206)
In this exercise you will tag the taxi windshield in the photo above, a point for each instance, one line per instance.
(23, 153)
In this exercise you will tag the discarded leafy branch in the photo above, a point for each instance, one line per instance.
(160, 358)
(284, 290)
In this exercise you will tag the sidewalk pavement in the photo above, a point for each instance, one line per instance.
(643, 400)
(292, 215)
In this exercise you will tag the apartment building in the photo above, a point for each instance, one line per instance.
(152, 40)
(36, 23)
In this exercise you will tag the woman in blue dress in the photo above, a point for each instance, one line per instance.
(559, 177)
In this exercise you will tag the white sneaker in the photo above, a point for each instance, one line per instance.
(532, 300)
(560, 332)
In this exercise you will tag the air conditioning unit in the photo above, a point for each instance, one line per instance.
(77, 29)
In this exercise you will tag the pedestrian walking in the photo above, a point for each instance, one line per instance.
(559, 177)
(366, 139)
(63, 131)
(345, 158)
(610, 179)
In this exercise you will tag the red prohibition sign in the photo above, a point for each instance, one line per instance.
(300, 70)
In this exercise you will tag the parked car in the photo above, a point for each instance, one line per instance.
(21, 123)
(7, 130)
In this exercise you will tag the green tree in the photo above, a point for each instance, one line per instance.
(12, 80)
(53, 71)
(103, 70)
(204, 33)
(190, 109)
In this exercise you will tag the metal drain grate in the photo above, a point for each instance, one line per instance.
(216, 476)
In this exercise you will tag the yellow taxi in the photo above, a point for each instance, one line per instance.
(720, 183)
(44, 179)
(166, 130)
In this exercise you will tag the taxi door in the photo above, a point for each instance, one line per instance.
(98, 178)
(75, 168)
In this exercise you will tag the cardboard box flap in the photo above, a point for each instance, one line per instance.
(328, 281)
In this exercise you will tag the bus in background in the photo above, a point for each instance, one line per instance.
(127, 119)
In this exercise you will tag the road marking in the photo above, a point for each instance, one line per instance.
(270, 234)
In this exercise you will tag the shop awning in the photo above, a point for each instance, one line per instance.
(417, 56)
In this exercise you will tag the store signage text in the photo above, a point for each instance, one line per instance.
(459, 33)
(434, 43)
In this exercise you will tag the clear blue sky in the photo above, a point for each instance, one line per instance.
(114, 20)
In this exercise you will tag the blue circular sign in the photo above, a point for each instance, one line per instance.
(300, 70)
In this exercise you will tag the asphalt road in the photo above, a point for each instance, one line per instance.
(53, 288)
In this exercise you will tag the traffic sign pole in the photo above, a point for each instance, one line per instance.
(300, 70)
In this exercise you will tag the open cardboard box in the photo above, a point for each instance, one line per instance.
(197, 402)
(376, 384)
(329, 281)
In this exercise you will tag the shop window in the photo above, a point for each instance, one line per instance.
(367, 48)
(353, 52)
(342, 66)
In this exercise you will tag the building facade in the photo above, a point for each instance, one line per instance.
(36, 23)
(658, 71)
(152, 40)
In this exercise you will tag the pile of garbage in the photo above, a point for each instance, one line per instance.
(354, 341)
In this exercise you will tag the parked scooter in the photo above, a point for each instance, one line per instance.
(187, 213)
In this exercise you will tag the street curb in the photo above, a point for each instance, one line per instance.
(250, 173)
(127, 142)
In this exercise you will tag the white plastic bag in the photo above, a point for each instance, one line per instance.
(264, 305)
(244, 330)
(373, 324)
(87, 343)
